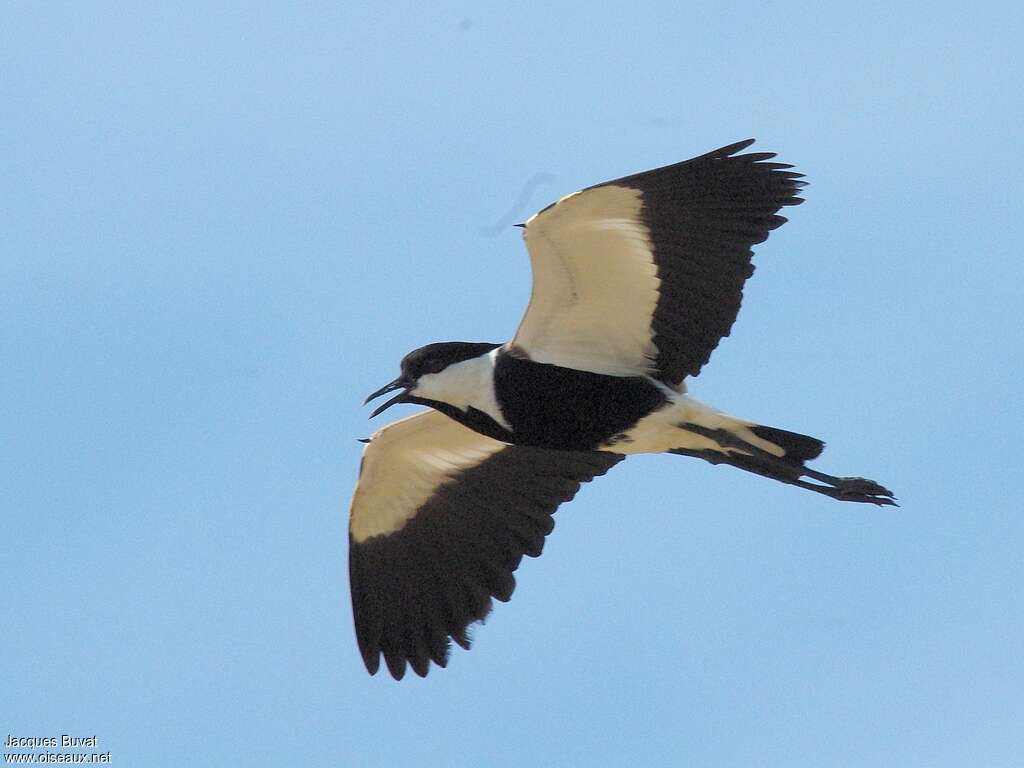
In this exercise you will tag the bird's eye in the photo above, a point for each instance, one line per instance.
(433, 366)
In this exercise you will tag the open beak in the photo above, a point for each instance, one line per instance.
(398, 383)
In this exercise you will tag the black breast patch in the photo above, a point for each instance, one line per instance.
(554, 407)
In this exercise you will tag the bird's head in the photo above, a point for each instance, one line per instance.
(423, 372)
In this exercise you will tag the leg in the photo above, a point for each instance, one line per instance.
(789, 471)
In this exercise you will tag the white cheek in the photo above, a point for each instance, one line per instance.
(464, 385)
(432, 386)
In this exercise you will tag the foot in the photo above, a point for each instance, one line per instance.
(849, 488)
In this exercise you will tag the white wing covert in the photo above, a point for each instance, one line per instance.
(644, 275)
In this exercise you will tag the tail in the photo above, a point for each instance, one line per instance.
(780, 455)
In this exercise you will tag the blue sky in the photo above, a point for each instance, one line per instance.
(220, 228)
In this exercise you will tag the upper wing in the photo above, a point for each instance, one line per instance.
(644, 275)
(440, 518)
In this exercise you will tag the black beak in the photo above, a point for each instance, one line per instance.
(398, 383)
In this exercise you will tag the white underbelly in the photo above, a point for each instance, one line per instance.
(661, 430)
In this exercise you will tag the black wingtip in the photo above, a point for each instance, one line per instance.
(521, 226)
(363, 439)
(729, 149)
(371, 659)
(396, 666)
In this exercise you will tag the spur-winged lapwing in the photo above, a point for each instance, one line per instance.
(634, 283)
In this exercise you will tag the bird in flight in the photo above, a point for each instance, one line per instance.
(635, 281)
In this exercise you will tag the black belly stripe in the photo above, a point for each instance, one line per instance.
(554, 407)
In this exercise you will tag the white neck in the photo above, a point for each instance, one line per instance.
(465, 385)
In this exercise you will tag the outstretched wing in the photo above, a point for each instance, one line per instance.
(440, 518)
(643, 275)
